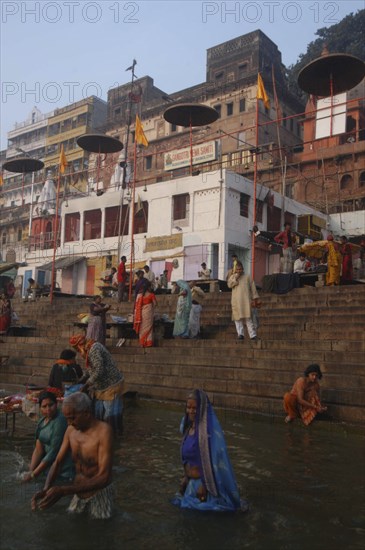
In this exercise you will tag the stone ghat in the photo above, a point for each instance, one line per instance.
(308, 325)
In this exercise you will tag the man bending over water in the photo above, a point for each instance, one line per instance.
(91, 442)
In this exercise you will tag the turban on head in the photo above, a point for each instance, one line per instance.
(78, 341)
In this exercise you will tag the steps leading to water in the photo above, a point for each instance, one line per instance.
(321, 325)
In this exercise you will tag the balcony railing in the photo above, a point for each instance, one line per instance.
(44, 241)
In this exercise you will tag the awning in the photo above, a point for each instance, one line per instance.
(6, 267)
(62, 263)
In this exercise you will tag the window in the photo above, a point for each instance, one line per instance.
(72, 227)
(284, 119)
(173, 128)
(148, 162)
(3, 238)
(92, 224)
(225, 160)
(20, 234)
(229, 109)
(289, 190)
(117, 111)
(141, 218)
(181, 207)
(242, 69)
(218, 108)
(244, 202)
(236, 158)
(346, 181)
(259, 211)
(362, 180)
(242, 105)
(219, 75)
(112, 221)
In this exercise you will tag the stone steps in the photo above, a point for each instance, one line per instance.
(323, 325)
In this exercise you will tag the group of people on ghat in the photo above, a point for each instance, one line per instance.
(336, 260)
(74, 446)
(118, 279)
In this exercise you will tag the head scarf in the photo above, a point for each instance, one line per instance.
(215, 465)
(183, 285)
(82, 345)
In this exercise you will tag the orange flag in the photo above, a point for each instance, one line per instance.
(140, 136)
(261, 92)
(63, 161)
(1, 179)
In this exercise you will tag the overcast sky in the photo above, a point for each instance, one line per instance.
(56, 52)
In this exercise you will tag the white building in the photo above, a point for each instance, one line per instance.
(178, 224)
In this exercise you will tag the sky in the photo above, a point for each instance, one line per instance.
(56, 52)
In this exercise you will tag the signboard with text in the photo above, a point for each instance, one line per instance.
(163, 243)
(179, 158)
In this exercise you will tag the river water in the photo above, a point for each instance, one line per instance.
(305, 487)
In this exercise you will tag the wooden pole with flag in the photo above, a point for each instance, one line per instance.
(61, 170)
(260, 95)
(139, 139)
(133, 215)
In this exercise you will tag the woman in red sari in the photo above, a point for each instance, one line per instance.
(143, 314)
(304, 398)
(347, 272)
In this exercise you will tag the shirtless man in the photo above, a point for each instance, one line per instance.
(90, 441)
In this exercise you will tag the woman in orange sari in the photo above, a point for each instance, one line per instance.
(304, 398)
(143, 314)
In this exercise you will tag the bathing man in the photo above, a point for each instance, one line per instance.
(90, 441)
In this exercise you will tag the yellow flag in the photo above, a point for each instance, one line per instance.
(63, 161)
(140, 137)
(261, 92)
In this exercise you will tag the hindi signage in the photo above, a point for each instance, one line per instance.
(163, 243)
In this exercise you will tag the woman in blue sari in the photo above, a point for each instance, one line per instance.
(209, 483)
(182, 316)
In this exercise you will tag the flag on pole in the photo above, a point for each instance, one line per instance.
(63, 161)
(261, 92)
(1, 179)
(139, 205)
(140, 136)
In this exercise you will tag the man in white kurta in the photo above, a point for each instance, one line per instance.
(243, 293)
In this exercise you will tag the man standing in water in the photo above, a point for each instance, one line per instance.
(90, 441)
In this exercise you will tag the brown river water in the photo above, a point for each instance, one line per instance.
(305, 487)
